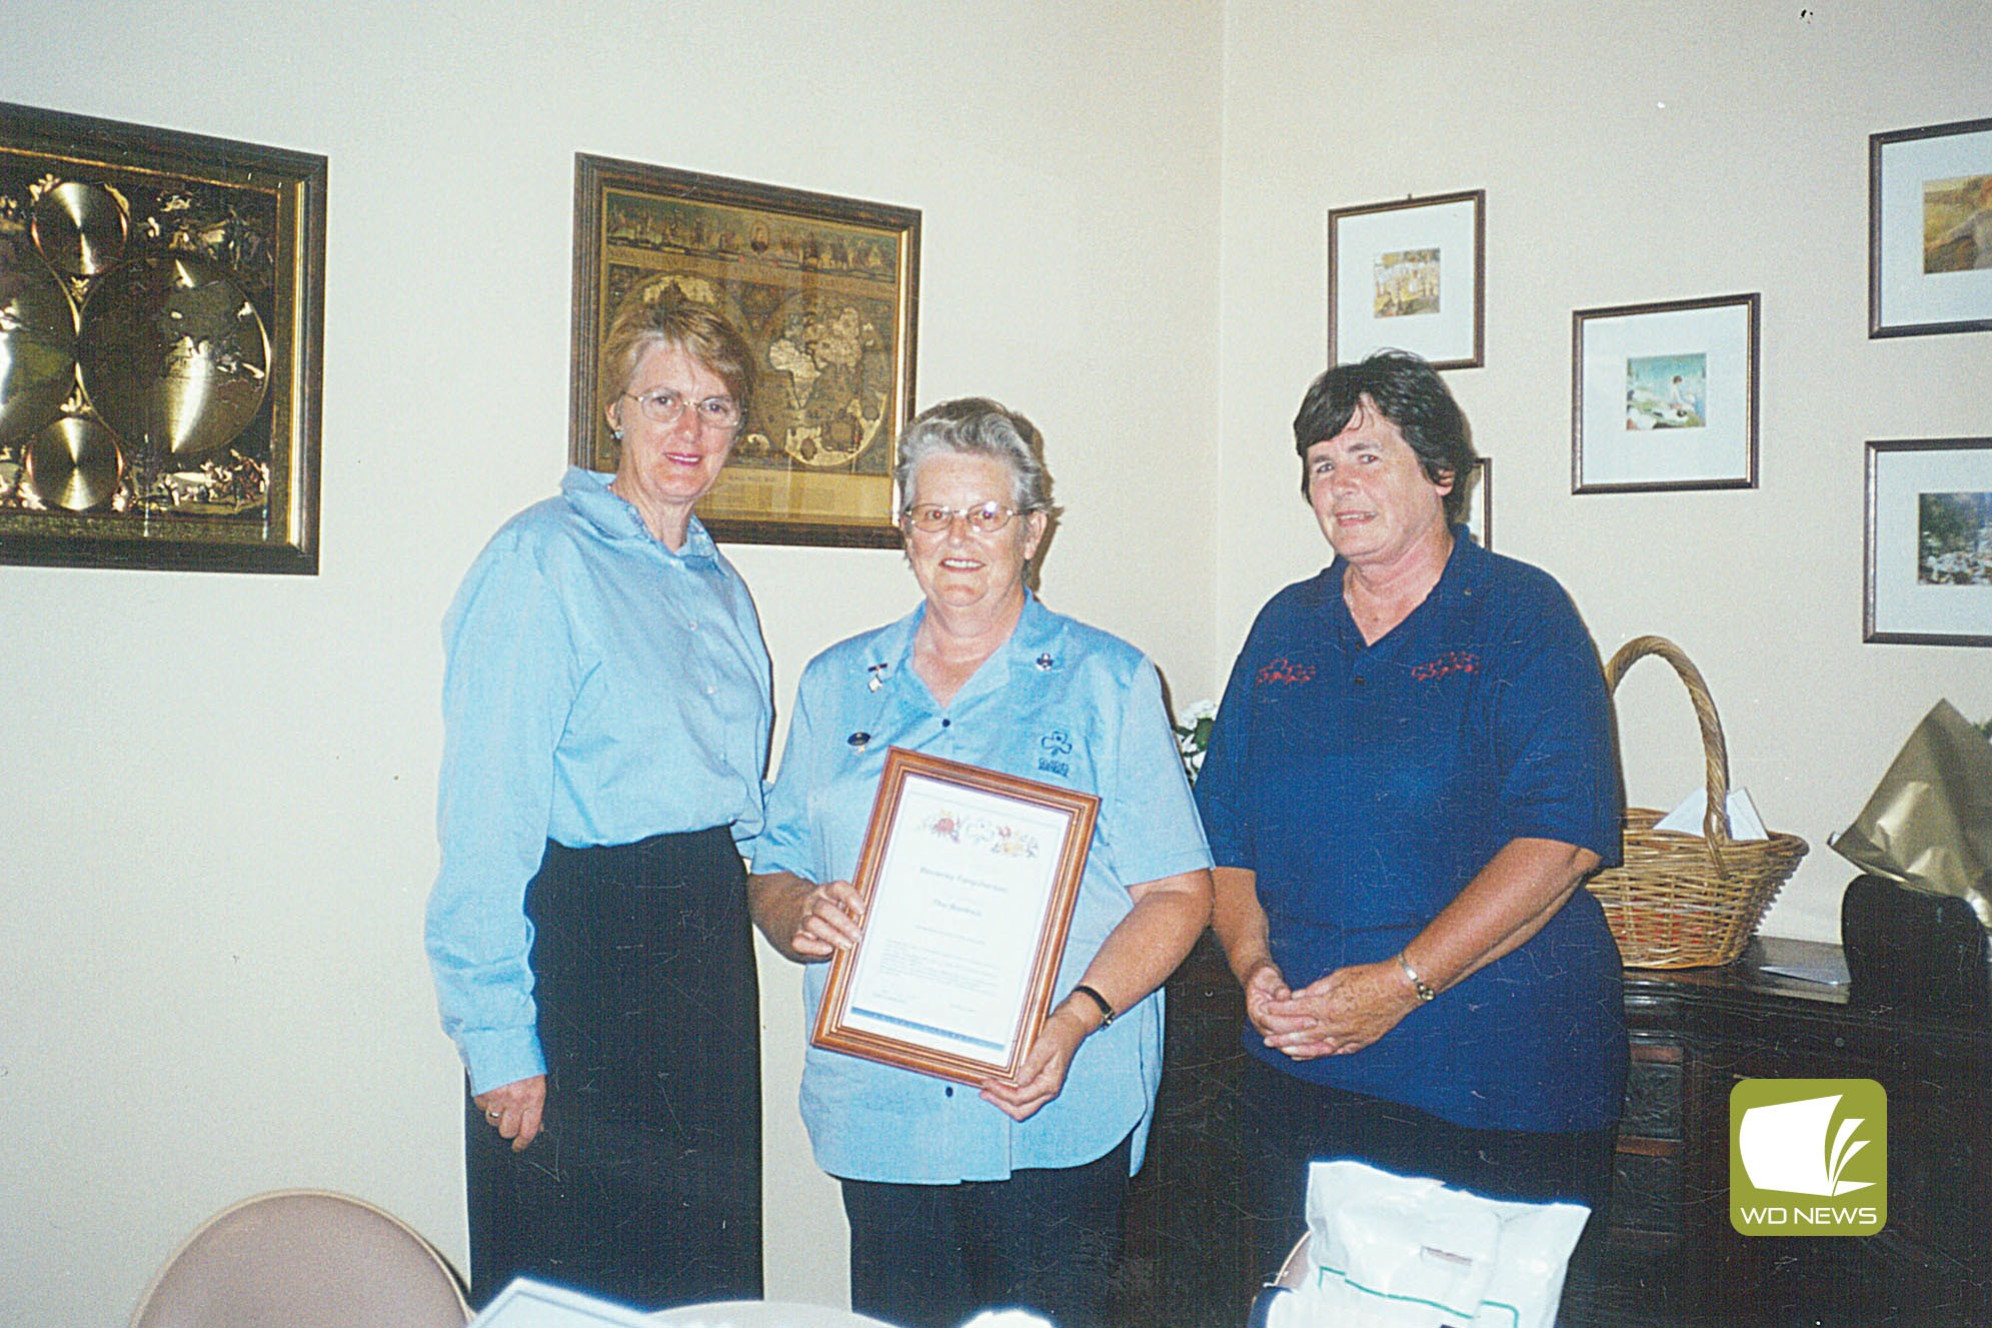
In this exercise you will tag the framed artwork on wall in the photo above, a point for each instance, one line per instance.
(1930, 230)
(161, 331)
(1664, 396)
(1409, 275)
(1929, 542)
(826, 292)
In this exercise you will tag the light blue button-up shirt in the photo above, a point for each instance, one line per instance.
(599, 689)
(1061, 703)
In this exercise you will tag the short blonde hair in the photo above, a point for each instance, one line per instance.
(646, 320)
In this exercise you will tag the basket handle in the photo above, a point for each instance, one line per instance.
(1715, 817)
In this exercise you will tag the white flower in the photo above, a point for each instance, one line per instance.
(1193, 735)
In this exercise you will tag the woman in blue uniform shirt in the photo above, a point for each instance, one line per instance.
(1409, 776)
(961, 1199)
(607, 709)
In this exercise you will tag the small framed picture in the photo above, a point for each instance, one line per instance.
(1409, 275)
(1930, 230)
(1480, 503)
(1664, 396)
(1929, 542)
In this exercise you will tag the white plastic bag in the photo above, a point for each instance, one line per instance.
(1387, 1251)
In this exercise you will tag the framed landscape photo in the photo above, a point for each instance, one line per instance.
(1664, 396)
(1409, 275)
(969, 879)
(161, 327)
(826, 292)
(1930, 230)
(1929, 542)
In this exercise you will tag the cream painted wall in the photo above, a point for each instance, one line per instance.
(221, 787)
(1629, 153)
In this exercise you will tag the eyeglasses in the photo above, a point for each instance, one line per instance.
(983, 519)
(666, 406)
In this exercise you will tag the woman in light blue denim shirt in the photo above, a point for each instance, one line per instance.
(607, 709)
(961, 1199)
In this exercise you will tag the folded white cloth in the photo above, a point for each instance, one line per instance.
(1744, 823)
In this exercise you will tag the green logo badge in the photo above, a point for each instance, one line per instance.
(1808, 1157)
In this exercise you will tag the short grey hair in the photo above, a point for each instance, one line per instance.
(977, 426)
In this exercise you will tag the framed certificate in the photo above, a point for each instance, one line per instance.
(969, 878)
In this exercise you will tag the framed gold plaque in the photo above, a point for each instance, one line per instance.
(969, 878)
(161, 327)
(824, 289)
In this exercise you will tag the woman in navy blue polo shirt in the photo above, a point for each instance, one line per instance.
(960, 1200)
(1410, 775)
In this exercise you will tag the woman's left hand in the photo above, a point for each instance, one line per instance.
(1043, 1073)
(1344, 1011)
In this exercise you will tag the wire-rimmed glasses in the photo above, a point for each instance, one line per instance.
(665, 406)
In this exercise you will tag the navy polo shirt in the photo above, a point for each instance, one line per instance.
(1366, 785)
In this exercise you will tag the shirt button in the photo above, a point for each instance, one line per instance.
(1356, 682)
(944, 724)
(950, 1090)
(710, 689)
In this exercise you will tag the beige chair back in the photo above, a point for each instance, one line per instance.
(303, 1259)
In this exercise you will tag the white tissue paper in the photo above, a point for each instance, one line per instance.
(1388, 1251)
(1744, 823)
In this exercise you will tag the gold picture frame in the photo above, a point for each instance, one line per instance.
(969, 878)
(826, 292)
(161, 333)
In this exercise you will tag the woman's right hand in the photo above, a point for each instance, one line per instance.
(1264, 986)
(829, 920)
(805, 921)
(514, 1109)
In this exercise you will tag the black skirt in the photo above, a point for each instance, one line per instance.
(644, 1184)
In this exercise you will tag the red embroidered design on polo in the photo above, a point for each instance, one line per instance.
(1283, 669)
(1453, 661)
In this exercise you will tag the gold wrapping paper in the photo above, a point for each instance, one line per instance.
(1928, 825)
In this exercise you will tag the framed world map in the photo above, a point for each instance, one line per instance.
(825, 291)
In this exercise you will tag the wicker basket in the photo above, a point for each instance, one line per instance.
(1689, 901)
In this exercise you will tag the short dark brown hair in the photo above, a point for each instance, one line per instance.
(1403, 389)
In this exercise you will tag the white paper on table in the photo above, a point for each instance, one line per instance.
(1744, 823)
(525, 1303)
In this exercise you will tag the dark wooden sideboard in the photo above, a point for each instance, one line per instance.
(1673, 1259)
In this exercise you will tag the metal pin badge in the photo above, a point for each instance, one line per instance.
(1044, 662)
(858, 740)
(877, 679)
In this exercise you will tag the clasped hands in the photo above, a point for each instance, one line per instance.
(1343, 1012)
(831, 921)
